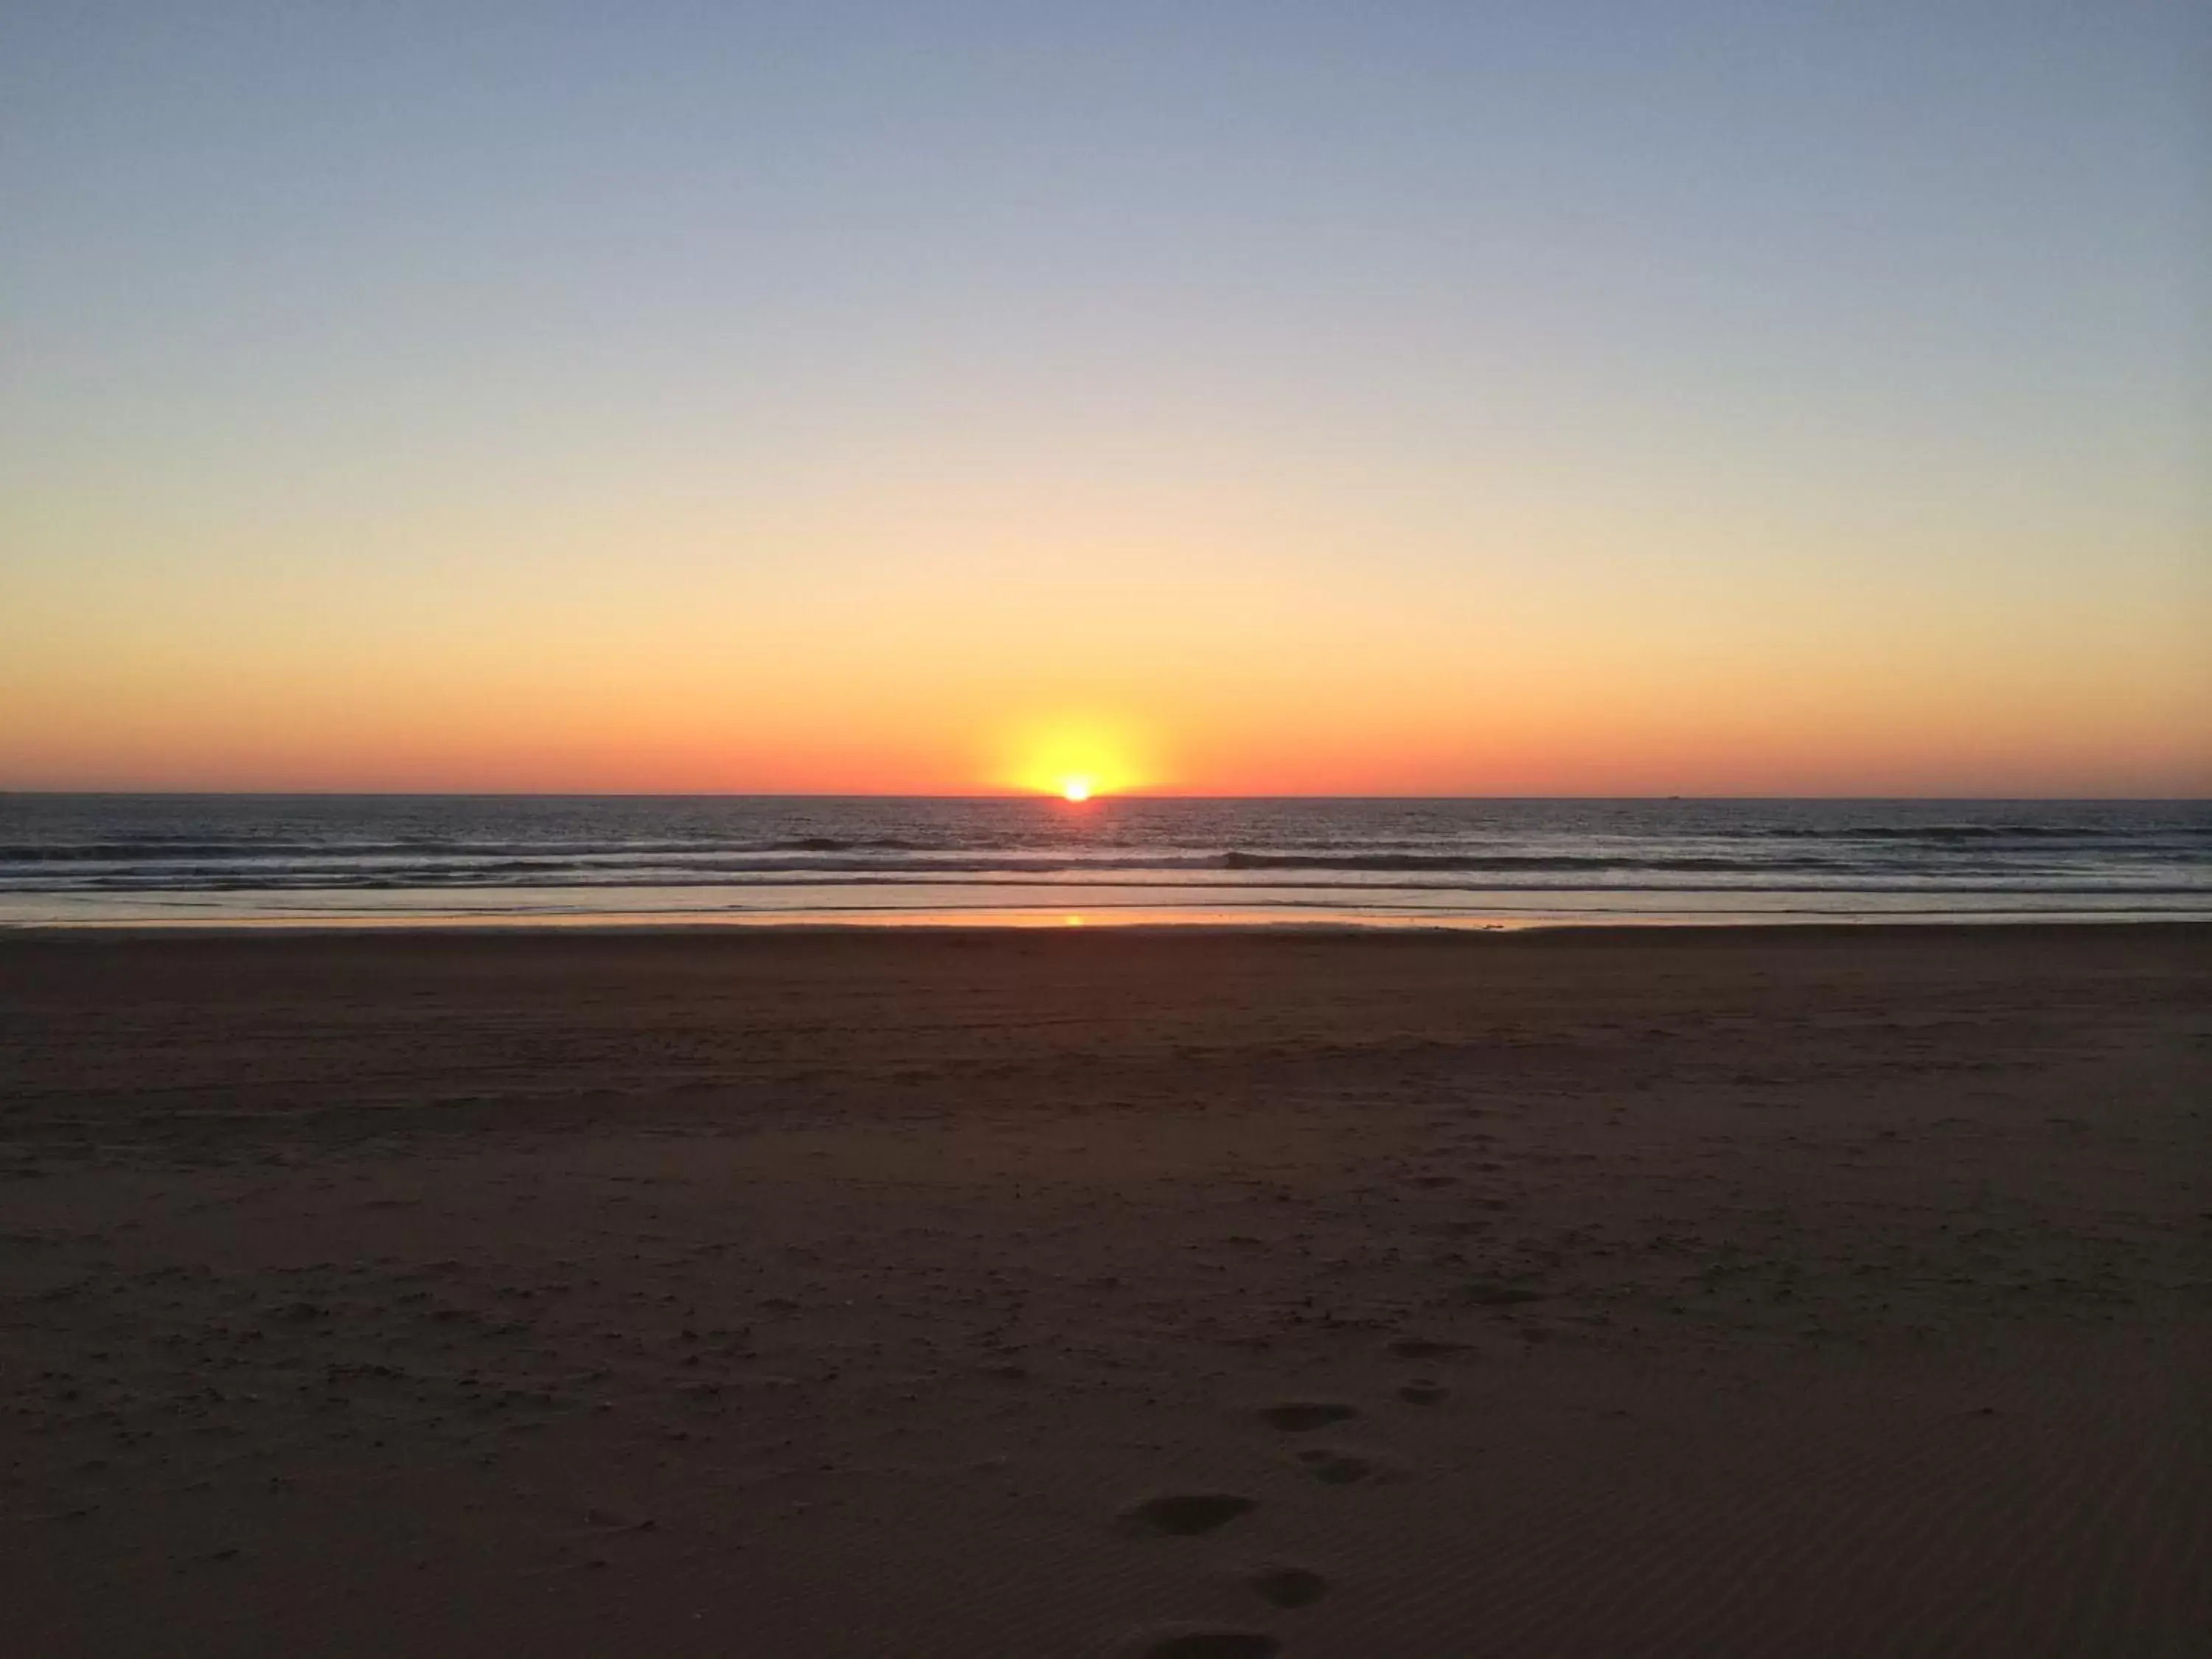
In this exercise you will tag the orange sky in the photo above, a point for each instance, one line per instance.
(981, 686)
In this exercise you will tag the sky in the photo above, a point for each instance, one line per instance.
(1736, 397)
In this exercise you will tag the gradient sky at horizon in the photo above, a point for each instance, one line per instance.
(1562, 398)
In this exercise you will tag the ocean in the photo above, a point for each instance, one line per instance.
(336, 860)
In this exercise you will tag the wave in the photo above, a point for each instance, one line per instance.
(158, 849)
(1502, 862)
(1933, 834)
(687, 864)
(1380, 851)
(690, 866)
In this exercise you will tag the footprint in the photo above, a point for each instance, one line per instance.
(1335, 1468)
(1422, 1347)
(1209, 1644)
(1423, 1392)
(1295, 1416)
(1184, 1514)
(1289, 1587)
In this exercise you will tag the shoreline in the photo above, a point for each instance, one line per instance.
(1091, 923)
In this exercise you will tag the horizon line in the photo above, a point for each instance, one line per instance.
(7, 791)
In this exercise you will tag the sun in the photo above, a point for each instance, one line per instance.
(1075, 758)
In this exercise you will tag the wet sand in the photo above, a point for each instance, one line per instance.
(1826, 1292)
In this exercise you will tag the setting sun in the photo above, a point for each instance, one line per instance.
(1078, 756)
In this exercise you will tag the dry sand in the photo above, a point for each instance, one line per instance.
(1745, 1292)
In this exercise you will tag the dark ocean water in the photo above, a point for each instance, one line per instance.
(220, 857)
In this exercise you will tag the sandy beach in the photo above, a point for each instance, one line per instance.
(1739, 1292)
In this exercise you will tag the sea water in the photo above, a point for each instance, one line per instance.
(638, 859)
